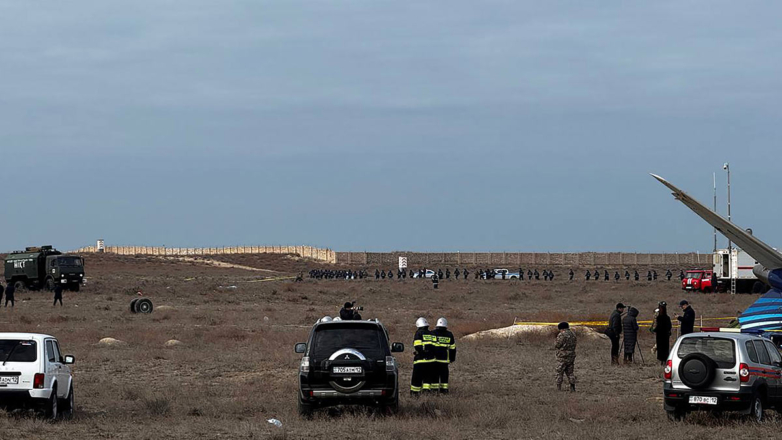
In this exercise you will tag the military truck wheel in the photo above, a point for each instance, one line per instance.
(757, 287)
(20, 285)
(49, 284)
(133, 305)
(144, 306)
(75, 287)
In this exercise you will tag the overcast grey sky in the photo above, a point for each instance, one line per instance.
(386, 125)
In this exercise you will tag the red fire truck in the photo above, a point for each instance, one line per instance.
(699, 280)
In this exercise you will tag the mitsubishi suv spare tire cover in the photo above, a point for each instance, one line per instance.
(347, 370)
(697, 370)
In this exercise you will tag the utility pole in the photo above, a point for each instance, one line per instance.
(714, 176)
(733, 262)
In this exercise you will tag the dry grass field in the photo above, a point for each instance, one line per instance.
(236, 367)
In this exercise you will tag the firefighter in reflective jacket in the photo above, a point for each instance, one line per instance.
(445, 353)
(423, 359)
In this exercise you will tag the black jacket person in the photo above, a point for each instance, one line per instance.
(9, 294)
(423, 358)
(57, 295)
(662, 330)
(614, 331)
(630, 329)
(688, 320)
(445, 353)
(347, 313)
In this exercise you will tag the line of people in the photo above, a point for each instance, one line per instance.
(651, 275)
(9, 292)
(484, 274)
(624, 326)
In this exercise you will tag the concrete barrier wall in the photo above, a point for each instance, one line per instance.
(419, 259)
(325, 255)
(522, 259)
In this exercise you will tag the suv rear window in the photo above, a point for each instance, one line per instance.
(721, 351)
(330, 338)
(19, 351)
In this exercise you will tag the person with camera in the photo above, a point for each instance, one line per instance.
(349, 312)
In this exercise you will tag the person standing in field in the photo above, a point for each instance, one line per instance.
(445, 354)
(687, 321)
(614, 331)
(566, 356)
(1, 293)
(661, 327)
(9, 294)
(630, 329)
(57, 295)
(423, 358)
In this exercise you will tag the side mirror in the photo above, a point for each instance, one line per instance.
(69, 360)
(397, 347)
(301, 347)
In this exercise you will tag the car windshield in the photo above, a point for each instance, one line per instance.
(695, 275)
(20, 350)
(721, 351)
(69, 261)
(333, 337)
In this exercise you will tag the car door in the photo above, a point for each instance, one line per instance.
(776, 365)
(64, 371)
(767, 373)
(52, 365)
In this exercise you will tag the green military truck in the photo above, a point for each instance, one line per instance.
(43, 268)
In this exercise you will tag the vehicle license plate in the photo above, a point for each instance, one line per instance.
(702, 400)
(9, 380)
(347, 370)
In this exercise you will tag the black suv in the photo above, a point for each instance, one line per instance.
(348, 362)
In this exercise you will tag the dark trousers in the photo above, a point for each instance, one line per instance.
(9, 299)
(441, 380)
(422, 377)
(614, 346)
(57, 298)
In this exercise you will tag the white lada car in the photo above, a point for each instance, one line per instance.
(34, 374)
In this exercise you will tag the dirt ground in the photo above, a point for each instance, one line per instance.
(236, 367)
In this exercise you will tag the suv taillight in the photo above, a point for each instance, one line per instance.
(744, 372)
(38, 380)
(668, 370)
(390, 363)
(305, 364)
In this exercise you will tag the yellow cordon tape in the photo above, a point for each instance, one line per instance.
(603, 323)
(269, 279)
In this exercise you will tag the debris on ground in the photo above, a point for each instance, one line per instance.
(111, 342)
(516, 330)
(173, 343)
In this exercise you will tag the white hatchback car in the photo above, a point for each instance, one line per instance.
(34, 374)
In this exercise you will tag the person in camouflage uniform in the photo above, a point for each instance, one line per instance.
(566, 355)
